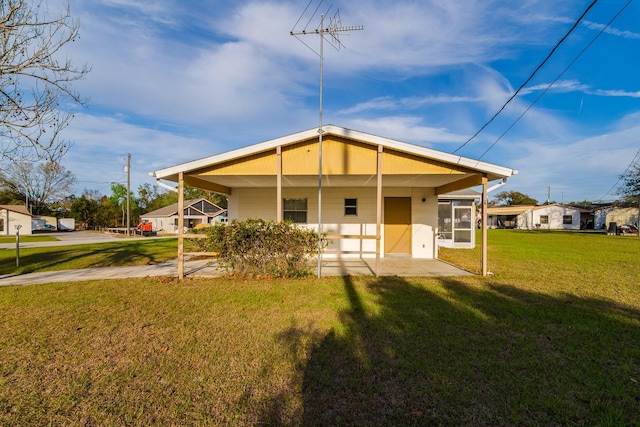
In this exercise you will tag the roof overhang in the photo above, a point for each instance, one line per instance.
(443, 171)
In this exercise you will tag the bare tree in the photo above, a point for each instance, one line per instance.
(35, 79)
(45, 183)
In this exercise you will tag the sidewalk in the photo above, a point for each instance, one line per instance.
(206, 268)
(389, 266)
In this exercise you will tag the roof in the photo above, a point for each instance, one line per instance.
(21, 209)
(461, 194)
(172, 209)
(198, 168)
(518, 209)
(509, 210)
(559, 205)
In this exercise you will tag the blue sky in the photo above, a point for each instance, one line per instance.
(174, 80)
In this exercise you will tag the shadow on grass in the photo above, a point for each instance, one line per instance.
(85, 256)
(457, 354)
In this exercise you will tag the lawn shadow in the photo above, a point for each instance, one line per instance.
(88, 256)
(445, 352)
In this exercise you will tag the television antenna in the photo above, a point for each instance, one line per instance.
(332, 33)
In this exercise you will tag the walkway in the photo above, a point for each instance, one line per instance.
(389, 266)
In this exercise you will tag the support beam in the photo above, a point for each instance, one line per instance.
(470, 181)
(378, 207)
(192, 181)
(484, 225)
(181, 226)
(279, 183)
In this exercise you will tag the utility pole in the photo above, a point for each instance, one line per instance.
(334, 29)
(128, 170)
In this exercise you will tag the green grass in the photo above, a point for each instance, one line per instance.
(31, 238)
(125, 252)
(553, 338)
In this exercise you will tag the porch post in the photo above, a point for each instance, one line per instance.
(180, 225)
(279, 183)
(378, 208)
(484, 225)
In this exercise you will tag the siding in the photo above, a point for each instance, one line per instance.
(245, 203)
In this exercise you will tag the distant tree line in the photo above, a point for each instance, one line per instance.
(45, 189)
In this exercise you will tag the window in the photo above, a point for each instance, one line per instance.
(1, 224)
(567, 219)
(445, 225)
(544, 219)
(295, 210)
(350, 207)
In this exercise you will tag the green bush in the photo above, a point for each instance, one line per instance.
(257, 247)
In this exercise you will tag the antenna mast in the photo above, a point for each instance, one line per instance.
(333, 30)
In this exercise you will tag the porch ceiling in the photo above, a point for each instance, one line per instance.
(269, 181)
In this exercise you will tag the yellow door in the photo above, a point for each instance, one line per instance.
(397, 225)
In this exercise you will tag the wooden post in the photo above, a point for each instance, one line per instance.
(378, 208)
(279, 184)
(484, 225)
(181, 226)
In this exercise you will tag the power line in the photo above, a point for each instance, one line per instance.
(550, 85)
(635, 158)
(522, 86)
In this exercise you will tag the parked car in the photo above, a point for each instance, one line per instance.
(627, 229)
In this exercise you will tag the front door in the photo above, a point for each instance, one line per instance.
(397, 225)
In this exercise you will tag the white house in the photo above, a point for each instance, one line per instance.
(13, 217)
(375, 196)
(528, 217)
(196, 212)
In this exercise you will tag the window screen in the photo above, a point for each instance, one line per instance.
(295, 210)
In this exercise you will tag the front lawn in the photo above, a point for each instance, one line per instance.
(29, 238)
(72, 257)
(553, 338)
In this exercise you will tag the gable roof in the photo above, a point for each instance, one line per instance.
(21, 209)
(199, 169)
(172, 209)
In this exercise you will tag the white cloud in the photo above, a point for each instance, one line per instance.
(613, 31)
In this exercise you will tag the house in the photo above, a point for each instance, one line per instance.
(196, 212)
(375, 196)
(457, 219)
(14, 218)
(528, 217)
(623, 216)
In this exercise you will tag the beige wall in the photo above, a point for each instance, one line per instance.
(247, 203)
(11, 219)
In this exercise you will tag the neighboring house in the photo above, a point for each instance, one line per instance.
(512, 216)
(196, 212)
(457, 219)
(377, 196)
(623, 216)
(12, 217)
(545, 217)
(594, 215)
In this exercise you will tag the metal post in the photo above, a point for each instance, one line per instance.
(320, 152)
(334, 28)
(17, 246)
(128, 194)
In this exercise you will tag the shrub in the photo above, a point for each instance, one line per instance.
(258, 247)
